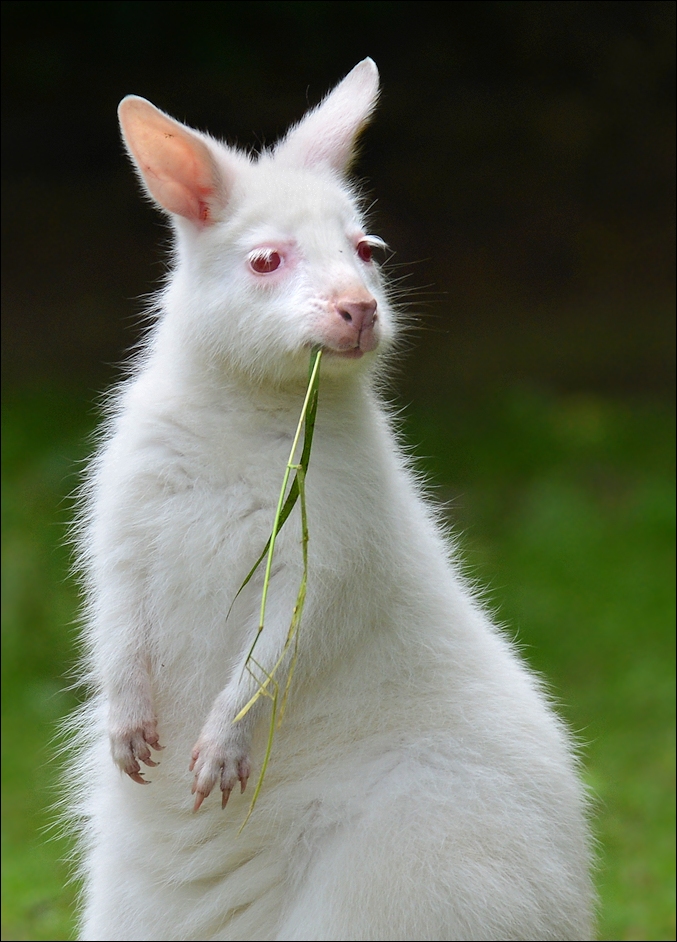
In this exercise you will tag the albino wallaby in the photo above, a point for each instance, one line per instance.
(420, 787)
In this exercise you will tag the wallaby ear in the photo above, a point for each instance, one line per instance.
(174, 162)
(327, 135)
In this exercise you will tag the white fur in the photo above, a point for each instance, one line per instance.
(420, 786)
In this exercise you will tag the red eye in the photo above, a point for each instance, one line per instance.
(265, 261)
(364, 251)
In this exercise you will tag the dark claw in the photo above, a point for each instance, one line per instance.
(137, 777)
(225, 795)
(150, 762)
(198, 801)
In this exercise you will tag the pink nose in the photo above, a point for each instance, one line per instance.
(360, 315)
(349, 326)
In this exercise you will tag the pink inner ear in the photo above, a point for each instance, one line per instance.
(181, 178)
(175, 164)
(180, 199)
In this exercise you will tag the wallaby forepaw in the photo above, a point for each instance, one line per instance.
(224, 765)
(132, 745)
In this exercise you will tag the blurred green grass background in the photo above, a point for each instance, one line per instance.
(564, 510)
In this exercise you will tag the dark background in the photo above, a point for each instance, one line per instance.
(522, 160)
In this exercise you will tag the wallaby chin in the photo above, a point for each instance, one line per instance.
(419, 786)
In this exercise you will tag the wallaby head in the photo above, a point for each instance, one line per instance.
(272, 255)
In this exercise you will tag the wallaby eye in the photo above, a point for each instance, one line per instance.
(265, 261)
(364, 251)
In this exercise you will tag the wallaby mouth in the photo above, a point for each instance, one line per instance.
(349, 353)
(353, 354)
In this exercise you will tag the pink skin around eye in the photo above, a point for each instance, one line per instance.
(364, 251)
(265, 262)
